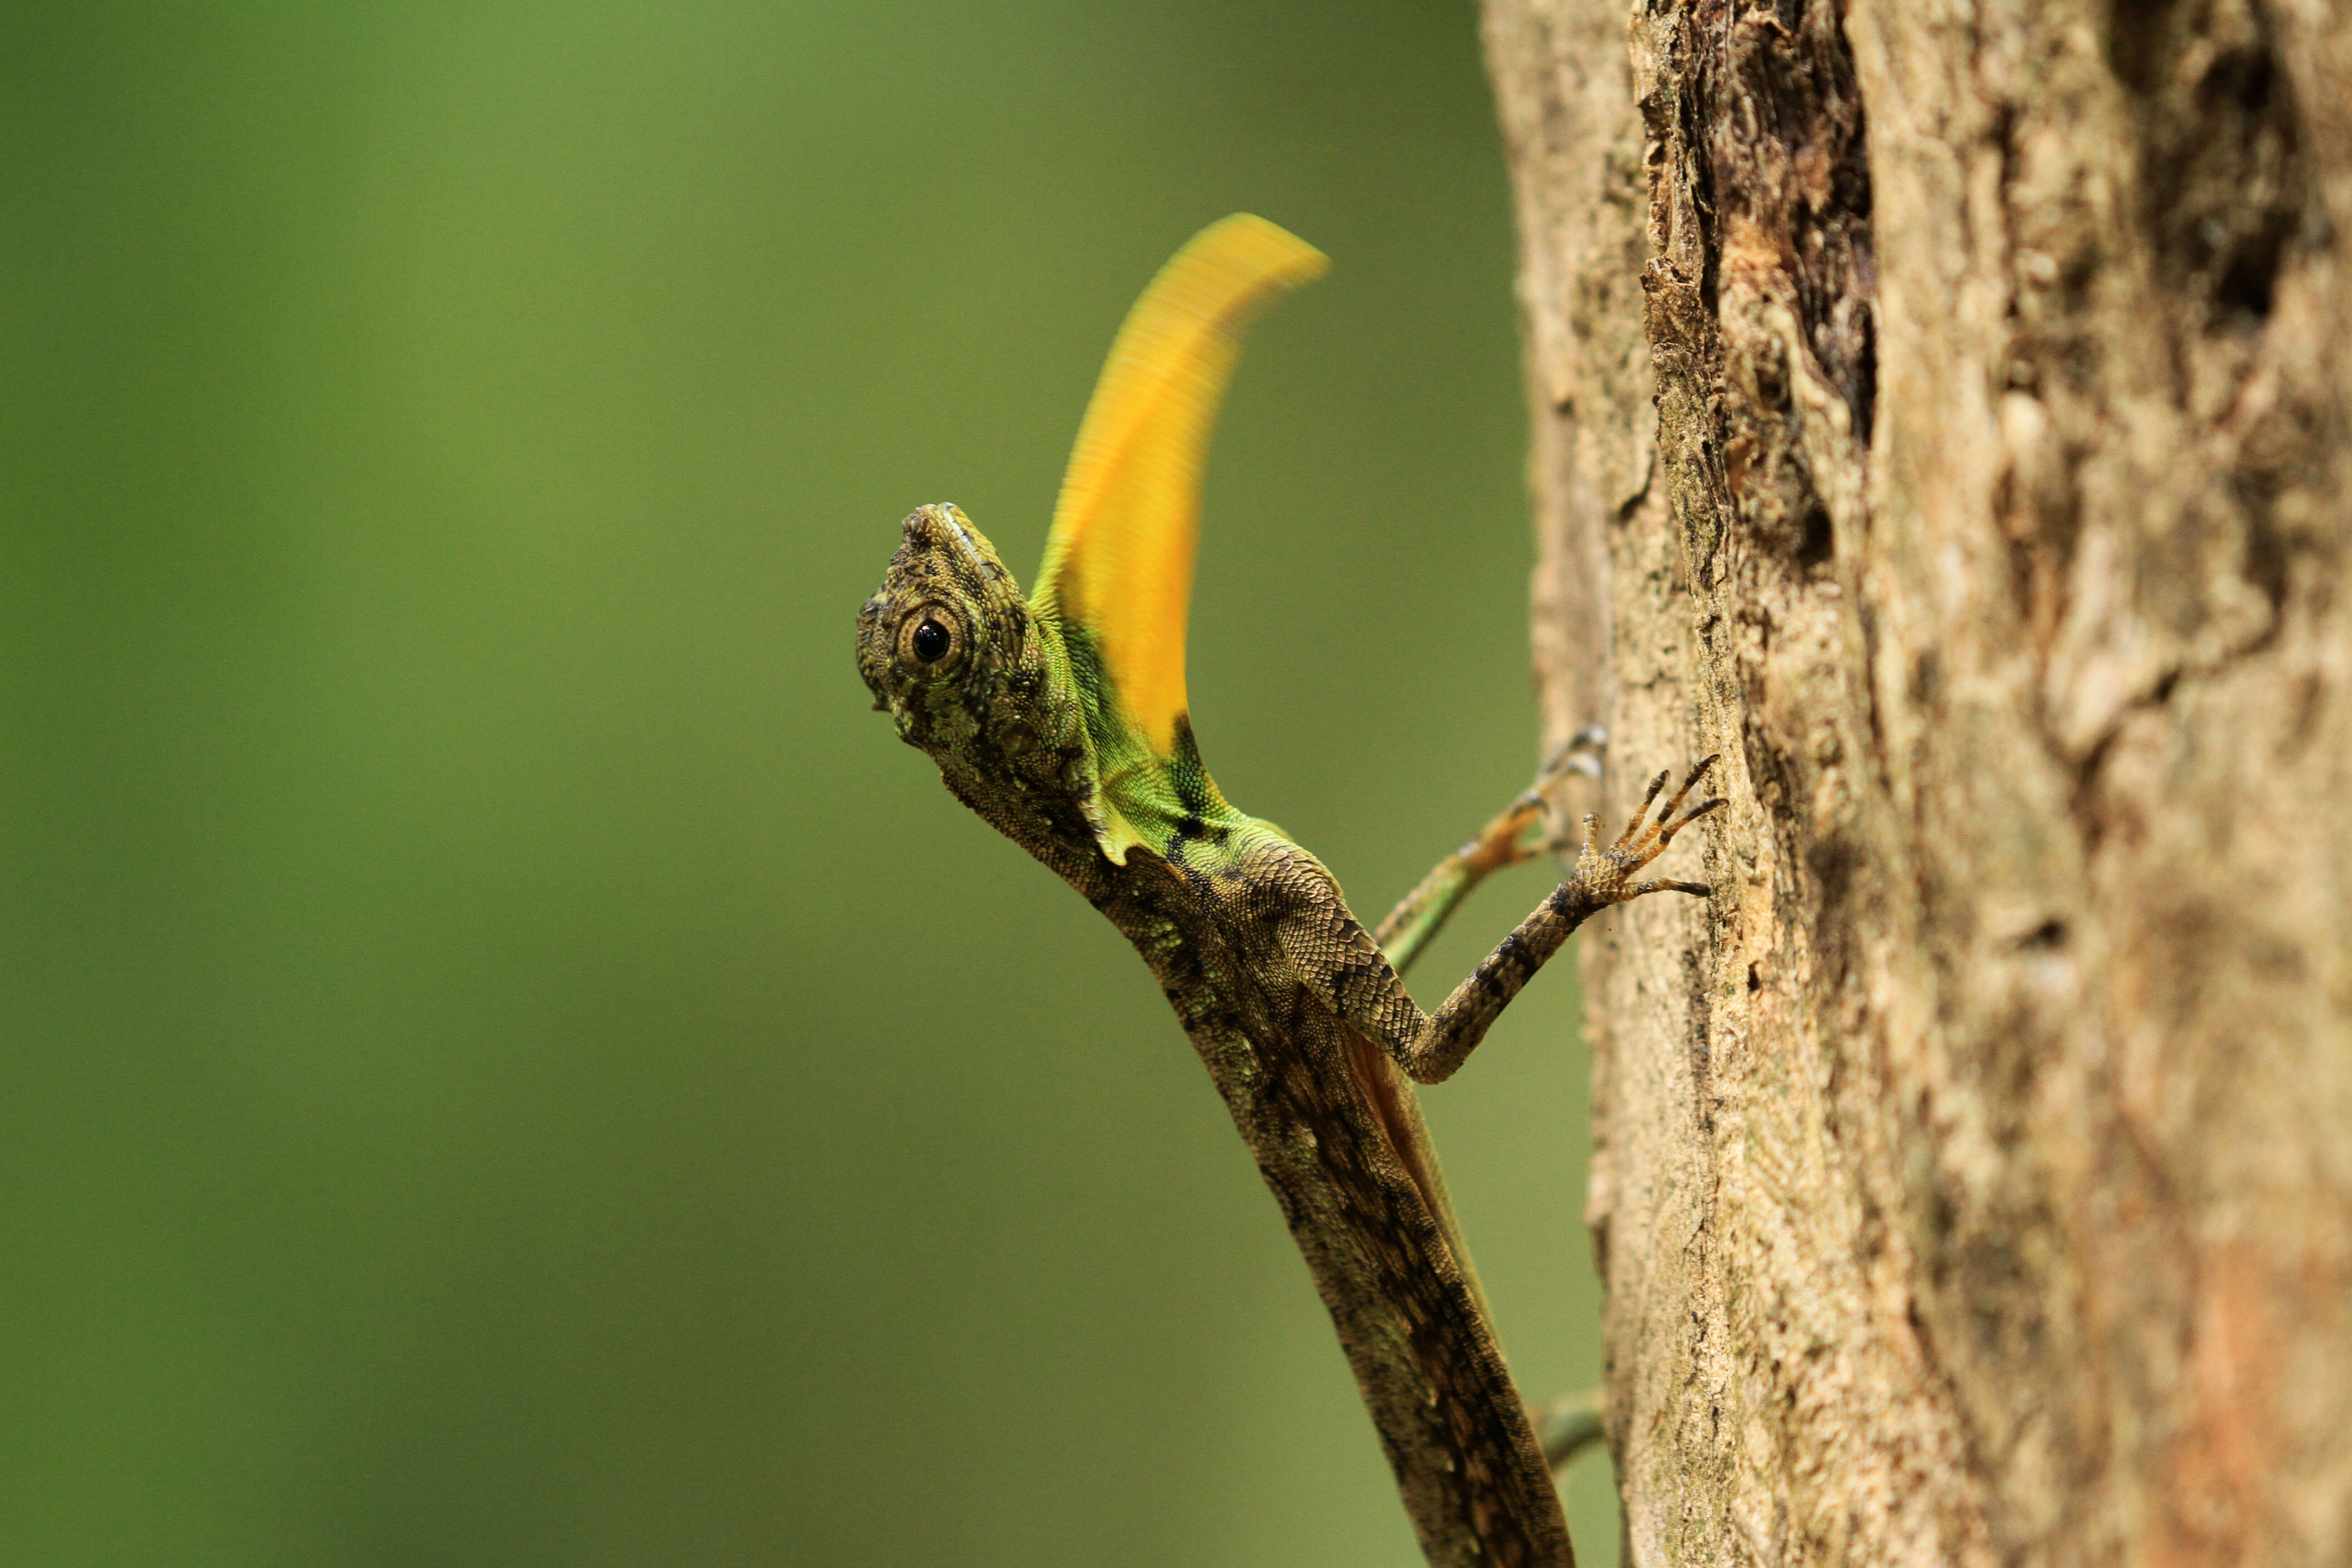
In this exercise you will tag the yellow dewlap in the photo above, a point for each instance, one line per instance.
(1119, 561)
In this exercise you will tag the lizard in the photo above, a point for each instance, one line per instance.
(1061, 718)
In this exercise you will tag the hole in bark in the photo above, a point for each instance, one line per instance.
(2246, 286)
(2047, 937)
(2242, 77)
(1816, 543)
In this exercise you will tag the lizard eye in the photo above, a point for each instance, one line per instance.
(932, 637)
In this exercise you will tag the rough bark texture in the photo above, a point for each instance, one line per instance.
(1940, 410)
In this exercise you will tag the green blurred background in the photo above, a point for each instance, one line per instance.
(506, 1059)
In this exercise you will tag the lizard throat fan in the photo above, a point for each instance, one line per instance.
(1119, 561)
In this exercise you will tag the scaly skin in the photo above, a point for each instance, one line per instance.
(1303, 1026)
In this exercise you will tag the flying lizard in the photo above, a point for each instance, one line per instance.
(1061, 718)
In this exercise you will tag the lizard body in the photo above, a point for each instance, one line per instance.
(1058, 719)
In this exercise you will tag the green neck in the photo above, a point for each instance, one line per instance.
(1167, 805)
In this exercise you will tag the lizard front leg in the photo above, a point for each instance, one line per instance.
(1338, 961)
(1603, 878)
(1504, 841)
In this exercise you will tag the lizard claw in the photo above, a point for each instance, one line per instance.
(1607, 874)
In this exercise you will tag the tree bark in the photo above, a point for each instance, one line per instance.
(1940, 411)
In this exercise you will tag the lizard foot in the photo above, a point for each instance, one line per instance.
(1506, 840)
(1579, 753)
(1606, 875)
(1567, 1427)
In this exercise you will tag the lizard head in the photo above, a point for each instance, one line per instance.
(970, 674)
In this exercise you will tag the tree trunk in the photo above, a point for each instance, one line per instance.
(1973, 1179)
